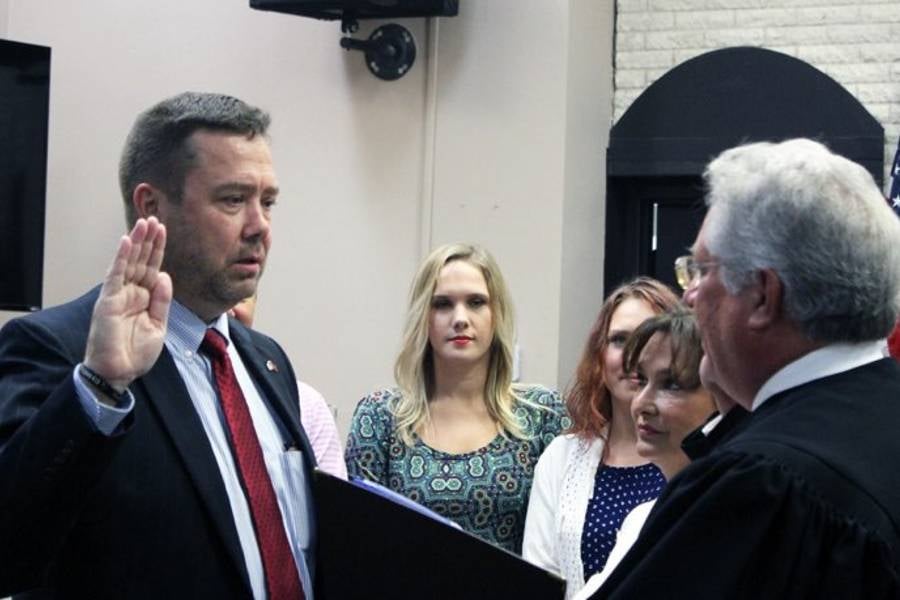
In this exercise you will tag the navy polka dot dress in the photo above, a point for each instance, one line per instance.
(617, 490)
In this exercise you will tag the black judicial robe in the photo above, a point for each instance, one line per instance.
(698, 444)
(801, 501)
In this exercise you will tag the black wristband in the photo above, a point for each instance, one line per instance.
(101, 384)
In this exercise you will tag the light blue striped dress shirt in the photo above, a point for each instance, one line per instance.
(183, 339)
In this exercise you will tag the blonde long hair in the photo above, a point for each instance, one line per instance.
(414, 368)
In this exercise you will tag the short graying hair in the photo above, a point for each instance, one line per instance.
(817, 219)
(156, 150)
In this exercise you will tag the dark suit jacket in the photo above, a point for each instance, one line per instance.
(140, 514)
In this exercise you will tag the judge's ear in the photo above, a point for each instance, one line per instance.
(765, 294)
(146, 200)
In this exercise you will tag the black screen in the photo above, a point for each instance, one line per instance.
(360, 9)
(24, 108)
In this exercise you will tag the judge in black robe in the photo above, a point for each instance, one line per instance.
(795, 281)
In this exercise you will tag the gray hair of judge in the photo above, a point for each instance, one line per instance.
(817, 219)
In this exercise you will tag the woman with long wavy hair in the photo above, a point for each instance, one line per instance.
(456, 434)
(589, 479)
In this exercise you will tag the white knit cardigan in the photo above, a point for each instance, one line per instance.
(563, 484)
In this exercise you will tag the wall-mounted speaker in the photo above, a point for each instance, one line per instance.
(360, 9)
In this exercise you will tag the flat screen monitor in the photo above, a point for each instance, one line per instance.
(24, 110)
(360, 9)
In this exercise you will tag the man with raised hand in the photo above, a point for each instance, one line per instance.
(150, 446)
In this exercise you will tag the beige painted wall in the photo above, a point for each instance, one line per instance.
(588, 117)
(523, 112)
(499, 156)
(497, 135)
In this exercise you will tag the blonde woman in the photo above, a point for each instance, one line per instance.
(456, 435)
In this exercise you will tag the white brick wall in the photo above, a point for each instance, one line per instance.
(856, 42)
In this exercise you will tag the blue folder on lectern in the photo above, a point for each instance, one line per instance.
(373, 544)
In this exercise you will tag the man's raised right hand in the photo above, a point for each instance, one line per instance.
(128, 326)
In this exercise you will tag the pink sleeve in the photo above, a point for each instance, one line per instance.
(318, 422)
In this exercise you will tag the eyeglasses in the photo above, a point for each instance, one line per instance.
(688, 270)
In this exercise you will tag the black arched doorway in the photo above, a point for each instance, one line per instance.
(660, 146)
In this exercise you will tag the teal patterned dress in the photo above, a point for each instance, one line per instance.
(485, 491)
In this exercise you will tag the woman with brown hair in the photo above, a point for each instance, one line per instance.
(588, 480)
(675, 399)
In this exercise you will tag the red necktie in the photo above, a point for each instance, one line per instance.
(282, 579)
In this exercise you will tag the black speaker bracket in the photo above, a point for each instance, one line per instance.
(390, 50)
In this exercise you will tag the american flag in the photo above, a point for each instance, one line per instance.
(894, 197)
